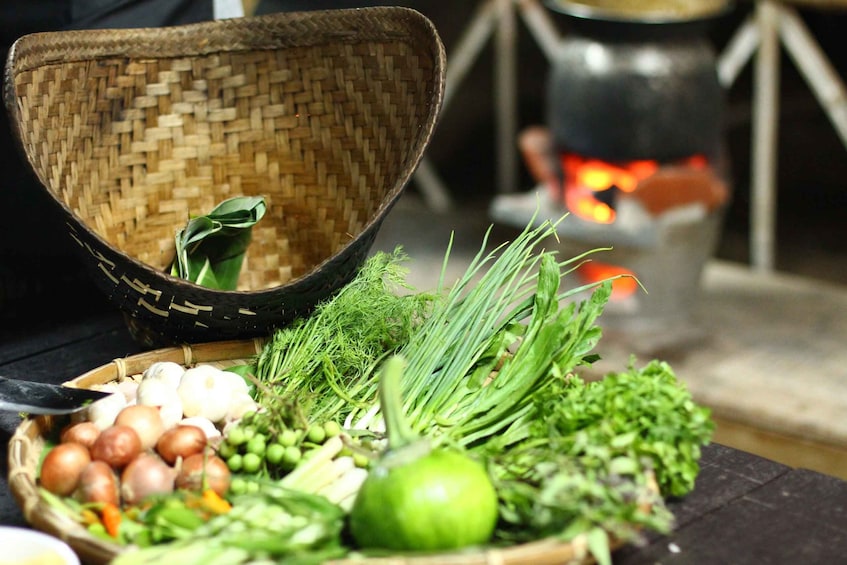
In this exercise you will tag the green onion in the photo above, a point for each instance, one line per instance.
(481, 328)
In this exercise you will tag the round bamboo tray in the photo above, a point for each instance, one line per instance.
(131, 131)
(28, 441)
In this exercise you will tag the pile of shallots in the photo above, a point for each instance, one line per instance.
(153, 434)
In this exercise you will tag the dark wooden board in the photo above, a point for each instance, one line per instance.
(749, 510)
(725, 475)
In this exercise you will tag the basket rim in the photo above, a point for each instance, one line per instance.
(37, 49)
(48, 48)
(40, 515)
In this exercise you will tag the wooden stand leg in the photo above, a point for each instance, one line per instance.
(498, 18)
(470, 45)
(765, 124)
(738, 51)
(815, 67)
(505, 96)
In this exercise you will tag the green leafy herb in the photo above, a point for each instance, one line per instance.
(645, 416)
(210, 249)
(325, 363)
(600, 456)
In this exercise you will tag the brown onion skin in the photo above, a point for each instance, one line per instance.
(145, 420)
(117, 445)
(99, 483)
(204, 470)
(85, 433)
(146, 475)
(63, 466)
(181, 441)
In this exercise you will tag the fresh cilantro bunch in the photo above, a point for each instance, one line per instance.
(599, 458)
(639, 418)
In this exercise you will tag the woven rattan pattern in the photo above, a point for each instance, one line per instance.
(326, 114)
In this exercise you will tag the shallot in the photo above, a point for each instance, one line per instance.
(85, 433)
(98, 483)
(145, 420)
(203, 471)
(116, 446)
(181, 442)
(146, 475)
(63, 466)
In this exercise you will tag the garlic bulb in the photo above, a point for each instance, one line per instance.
(205, 392)
(155, 392)
(239, 405)
(168, 372)
(236, 383)
(104, 411)
(208, 427)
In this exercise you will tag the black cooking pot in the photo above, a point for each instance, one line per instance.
(631, 84)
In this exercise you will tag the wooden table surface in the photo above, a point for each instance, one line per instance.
(744, 509)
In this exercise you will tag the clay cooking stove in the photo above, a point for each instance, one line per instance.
(633, 151)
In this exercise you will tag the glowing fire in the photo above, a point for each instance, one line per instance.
(622, 287)
(588, 182)
(590, 189)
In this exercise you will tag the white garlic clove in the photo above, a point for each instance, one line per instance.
(168, 372)
(104, 411)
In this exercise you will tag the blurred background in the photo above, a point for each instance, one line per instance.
(812, 162)
(765, 349)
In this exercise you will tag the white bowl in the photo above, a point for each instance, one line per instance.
(23, 546)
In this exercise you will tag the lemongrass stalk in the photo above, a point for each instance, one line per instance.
(321, 476)
(322, 455)
(343, 491)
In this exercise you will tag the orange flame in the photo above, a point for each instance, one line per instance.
(584, 182)
(622, 287)
(585, 177)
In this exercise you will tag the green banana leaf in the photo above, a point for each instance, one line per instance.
(210, 249)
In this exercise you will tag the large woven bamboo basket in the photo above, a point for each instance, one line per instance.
(28, 442)
(325, 113)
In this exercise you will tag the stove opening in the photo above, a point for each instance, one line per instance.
(591, 187)
(594, 189)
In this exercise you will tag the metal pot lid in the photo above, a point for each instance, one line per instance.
(642, 11)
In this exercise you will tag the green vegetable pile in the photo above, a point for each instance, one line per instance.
(272, 524)
(410, 392)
